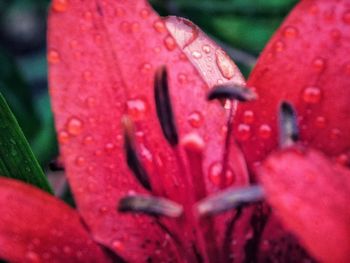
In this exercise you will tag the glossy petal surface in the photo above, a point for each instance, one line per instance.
(311, 196)
(100, 70)
(36, 227)
(306, 63)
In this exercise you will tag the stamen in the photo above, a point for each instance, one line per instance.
(132, 158)
(230, 199)
(231, 91)
(150, 205)
(163, 106)
(289, 132)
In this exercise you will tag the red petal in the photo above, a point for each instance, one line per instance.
(103, 56)
(36, 227)
(306, 63)
(311, 196)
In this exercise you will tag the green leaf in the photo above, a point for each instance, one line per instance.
(16, 158)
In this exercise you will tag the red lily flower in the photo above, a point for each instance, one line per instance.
(174, 148)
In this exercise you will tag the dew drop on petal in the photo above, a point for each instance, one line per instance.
(136, 108)
(343, 159)
(225, 65)
(32, 257)
(109, 147)
(196, 54)
(215, 170)
(63, 137)
(80, 161)
(60, 5)
(88, 140)
(346, 17)
(311, 95)
(170, 43)
(119, 12)
(248, 116)
(144, 13)
(265, 131)
(145, 68)
(195, 119)
(290, 32)
(243, 132)
(74, 126)
(118, 245)
(319, 64)
(159, 26)
(335, 134)
(320, 122)
(53, 57)
(206, 49)
(182, 78)
(279, 46)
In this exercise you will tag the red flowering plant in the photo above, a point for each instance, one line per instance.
(161, 171)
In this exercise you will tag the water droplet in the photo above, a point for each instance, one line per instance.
(87, 15)
(182, 30)
(73, 44)
(243, 132)
(60, 5)
(80, 161)
(195, 119)
(109, 147)
(53, 57)
(335, 34)
(265, 131)
(343, 159)
(279, 46)
(103, 209)
(159, 26)
(346, 17)
(125, 27)
(170, 43)
(319, 64)
(88, 140)
(313, 10)
(290, 32)
(136, 108)
(347, 68)
(119, 12)
(135, 27)
(225, 65)
(145, 68)
(63, 137)
(74, 126)
(196, 54)
(335, 134)
(182, 78)
(118, 245)
(87, 75)
(32, 257)
(206, 49)
(90, 102)
(248, 116)
(144, 13)
(67, 250)
(215, 170)
(320, 122)
(311, 95)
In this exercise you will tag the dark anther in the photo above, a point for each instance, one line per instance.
(132, 158)
(56, 166)
(230, 199)
(163, 105)
(150, 205)
(289, 132)
(231, 91)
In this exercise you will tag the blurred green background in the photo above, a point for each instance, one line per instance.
(242, 27)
